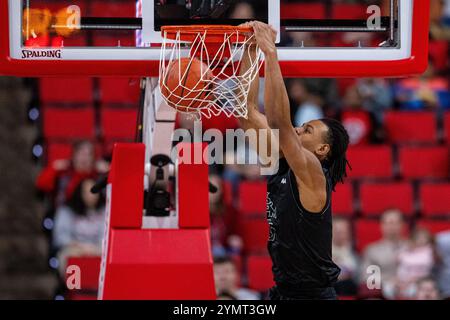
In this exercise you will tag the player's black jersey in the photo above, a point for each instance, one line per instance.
(299, 241)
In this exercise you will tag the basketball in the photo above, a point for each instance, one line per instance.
(187, 85)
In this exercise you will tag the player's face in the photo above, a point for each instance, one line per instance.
(312, 134)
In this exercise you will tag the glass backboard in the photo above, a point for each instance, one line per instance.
(316, 38)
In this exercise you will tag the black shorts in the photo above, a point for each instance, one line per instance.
(313, 294)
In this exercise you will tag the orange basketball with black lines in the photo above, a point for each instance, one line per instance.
(187, 84)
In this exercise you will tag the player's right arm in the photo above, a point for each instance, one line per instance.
(255, 119)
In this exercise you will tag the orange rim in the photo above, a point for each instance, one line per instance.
(213, 33)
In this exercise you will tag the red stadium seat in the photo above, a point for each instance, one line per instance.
(255, 234)
(425, 162)
(366, 232)
(342, 203)
(89, 268)
(408, 127)
(302, 11)
(435, 199)
(58, 151)
(118, 123)
(349, 11)
(447, 127)
(121, 9)
(68, 123)
(227, 192)
(434, 226)
(66, 90)
(377, 197)
(259, 270)
(252, 198)
(370, 162)
(120, 91)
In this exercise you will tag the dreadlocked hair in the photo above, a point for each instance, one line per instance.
(337, 138)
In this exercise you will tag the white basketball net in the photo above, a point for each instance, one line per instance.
(229, 88)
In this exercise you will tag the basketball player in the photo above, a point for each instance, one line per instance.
(313, 160)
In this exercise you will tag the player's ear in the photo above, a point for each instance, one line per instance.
(323, 149)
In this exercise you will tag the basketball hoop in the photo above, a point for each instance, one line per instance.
(200, 69)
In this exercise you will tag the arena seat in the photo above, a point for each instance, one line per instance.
(424, 162)
(377, 197)
(227, 192)
(118, 123)
(89, 268)
(252, 198)
(342, 203)
(435, 199)
(259, 270)
(370, 162)
(434, 226)
(122, 91)
(58, 151)
(447, 127)
(255, 233)
(101, 8)
(302, 10)
(366, 232)
(66, 91)
(411, 127)
(68, 123)
(348, 11)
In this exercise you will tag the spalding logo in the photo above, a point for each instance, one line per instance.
(30, 54)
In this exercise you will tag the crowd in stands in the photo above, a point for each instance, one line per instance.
(407, 241)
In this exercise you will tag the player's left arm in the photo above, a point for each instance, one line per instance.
(304, 164)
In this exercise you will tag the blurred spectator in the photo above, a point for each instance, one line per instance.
(79, 224)
(384, 253)
(443, 251)
(60, 178)
(226, 278)
(426, 289)
(376, 96)
(225, 296)
(415, 261)
(308, 104)
(345, 257)
(224, 238)
(243, 10)
(356, 121)
(427, 92)
(439, 30)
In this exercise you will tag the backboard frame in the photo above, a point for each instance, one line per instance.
(411, 58)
